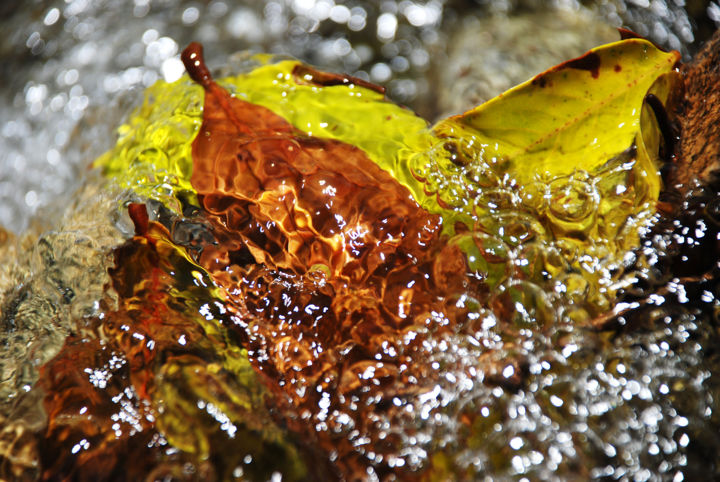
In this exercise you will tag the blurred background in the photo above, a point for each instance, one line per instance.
(70, 70)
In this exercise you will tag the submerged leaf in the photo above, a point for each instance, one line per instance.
(164, 368)
(345, 241)
(329, 171)
(310, 198)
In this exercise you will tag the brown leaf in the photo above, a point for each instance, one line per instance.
(296, 201)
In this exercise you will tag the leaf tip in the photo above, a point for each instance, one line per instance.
(192, 58)
(626, 33)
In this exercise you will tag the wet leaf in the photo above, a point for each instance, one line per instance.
(577, 115)
(163, 368)
(310, 197)
(322, 172)
(345, 237)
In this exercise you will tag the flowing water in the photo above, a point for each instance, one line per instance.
(224, 341)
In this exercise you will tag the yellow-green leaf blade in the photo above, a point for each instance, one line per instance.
(578, 114)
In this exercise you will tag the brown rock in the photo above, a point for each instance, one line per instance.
(698, 115)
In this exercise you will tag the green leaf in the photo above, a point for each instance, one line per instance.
(578, 114)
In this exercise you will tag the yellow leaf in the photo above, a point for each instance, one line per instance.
(577, 115)
(649, 136)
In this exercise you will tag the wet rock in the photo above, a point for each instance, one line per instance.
(488, 55)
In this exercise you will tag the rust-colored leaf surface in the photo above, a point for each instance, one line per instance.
(295, 201)
(337, 272)
(136, 382)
